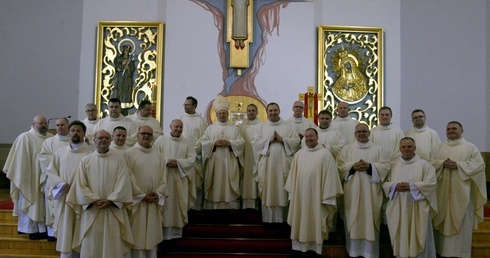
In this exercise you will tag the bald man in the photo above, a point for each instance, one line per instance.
(363, 166)
(23, 169)
(298, 121)
(344, 123)
(49, 147)
(179, 157)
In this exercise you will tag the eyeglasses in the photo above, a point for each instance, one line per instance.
(298, 106)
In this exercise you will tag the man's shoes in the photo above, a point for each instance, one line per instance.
(38, 236)
(52, 239)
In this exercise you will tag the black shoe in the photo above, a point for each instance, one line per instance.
(52, 239)
(38, 236)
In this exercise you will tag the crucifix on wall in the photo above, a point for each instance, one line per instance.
(239, 32)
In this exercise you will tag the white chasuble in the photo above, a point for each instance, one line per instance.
(222, 166)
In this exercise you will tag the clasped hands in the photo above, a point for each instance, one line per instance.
(172, 163)
(102, 204)
(222, 143)
(361, 165)
(275, 138)
(151, 197)
(402, 187)
(449, 164)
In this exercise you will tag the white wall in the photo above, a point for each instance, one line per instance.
(39, 69)
(435, 56)
(487, 80)
(444, 65)
(192, 65)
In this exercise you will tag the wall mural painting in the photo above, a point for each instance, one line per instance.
(241, 54)
(350, 64)
(129, 65)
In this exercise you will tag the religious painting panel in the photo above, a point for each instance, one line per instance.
(129, 65)
(350, 69)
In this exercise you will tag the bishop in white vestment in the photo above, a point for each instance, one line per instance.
(222, 148)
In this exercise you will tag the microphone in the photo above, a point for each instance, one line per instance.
(56, 118)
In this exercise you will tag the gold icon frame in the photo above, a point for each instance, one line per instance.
(350, 69)
(146, 41)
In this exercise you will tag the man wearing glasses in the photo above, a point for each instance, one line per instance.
(298, 121)
(149, 193)
(101, 195)
(90, 121)
(427, 140)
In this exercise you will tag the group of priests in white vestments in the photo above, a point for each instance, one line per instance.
(291, 170)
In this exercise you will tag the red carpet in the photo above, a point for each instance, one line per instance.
(6, 205)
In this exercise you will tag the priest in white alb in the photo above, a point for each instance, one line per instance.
(24, 171)
(50, 146)
(101, 195)
(331, 138)
(344, 123)
(222, 149)
(194, 127)
(461, 193)
(143, 116)
(411, 191)
(118, 143)
(298, 121)
(362, 167)
(61, 174)
(90, 120)
(179, 157)
(276, 143)
(313, 186)
(249, 128)
(386, 134)
(115, 119)
(427, 139)
(149, 193)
